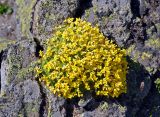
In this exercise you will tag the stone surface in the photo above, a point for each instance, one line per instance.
(113, 18)
(144, 41)
(22, 95)
(7, 26)
(49, 14)
(15, 58)
(8, 23)
(24, 16)
(132, 24)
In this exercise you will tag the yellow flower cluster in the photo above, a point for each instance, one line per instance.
(79, 59)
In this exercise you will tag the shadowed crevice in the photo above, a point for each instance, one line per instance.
(151, 103)
(135, 4)
(32, 17)
(69, 108)
(43, 102)
(82, 6)
(1, 54)
(39, 47)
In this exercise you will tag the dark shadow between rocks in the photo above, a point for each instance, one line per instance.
(1, 53)
(138, 87)
(43, 101)
(150, 106)
(135, 4)
(38, 47)
(69, 107)
(82, 6)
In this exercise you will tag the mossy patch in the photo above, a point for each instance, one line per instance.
(4, 42)
(5, 9)
(24, 14)
(25, 72)
(104, 106)
(153, 43)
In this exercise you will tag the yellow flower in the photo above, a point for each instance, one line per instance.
(79, 58)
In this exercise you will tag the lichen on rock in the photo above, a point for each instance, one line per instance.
(24, 16)
(50, 13)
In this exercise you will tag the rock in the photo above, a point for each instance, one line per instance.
(24, 16)
(105, 109)
(22, 94)
(84, 101)
(7, 26)
(19, 105)
(31, 91)
(56, 106)
(151, 103)
(15, 58)
(132, 24)
(5, 42)
(49, 14)
(143, 44)
(113, 18)
(138, 87)
(8, 23)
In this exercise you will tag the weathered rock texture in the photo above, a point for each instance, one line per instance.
(132, 24)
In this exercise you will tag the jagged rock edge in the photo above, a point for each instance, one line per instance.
(43, 103)
(1, 54)
(32, 17)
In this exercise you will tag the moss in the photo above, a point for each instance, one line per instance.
(122, 108)
(153, 43)
(24, 14)
(4, 42)
(5, 9)
(157, 82)
(146, 55)
(15, 65)
(130, 49)
(2, 94)
(158, 27)
(20, 115)
(112, 17)
(87, 13)
(49, 109)
(31, 109)
(104, 106)
(95, 9)
(26, 71)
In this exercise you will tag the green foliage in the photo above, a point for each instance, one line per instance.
(157, 82)
(80, 59)
(5, 9)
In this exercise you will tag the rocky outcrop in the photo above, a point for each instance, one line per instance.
(49, 14)
(132, 24)
(20, 93)
(113, 17)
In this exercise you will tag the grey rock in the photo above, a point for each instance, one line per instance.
(145, 38)
(133, 24)
(49, 14)
(8, 23)
(56, 106)
(14, 59)
(84, 101)
(19, 95)
(31, 91)
(105, 109)
(113, 18)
